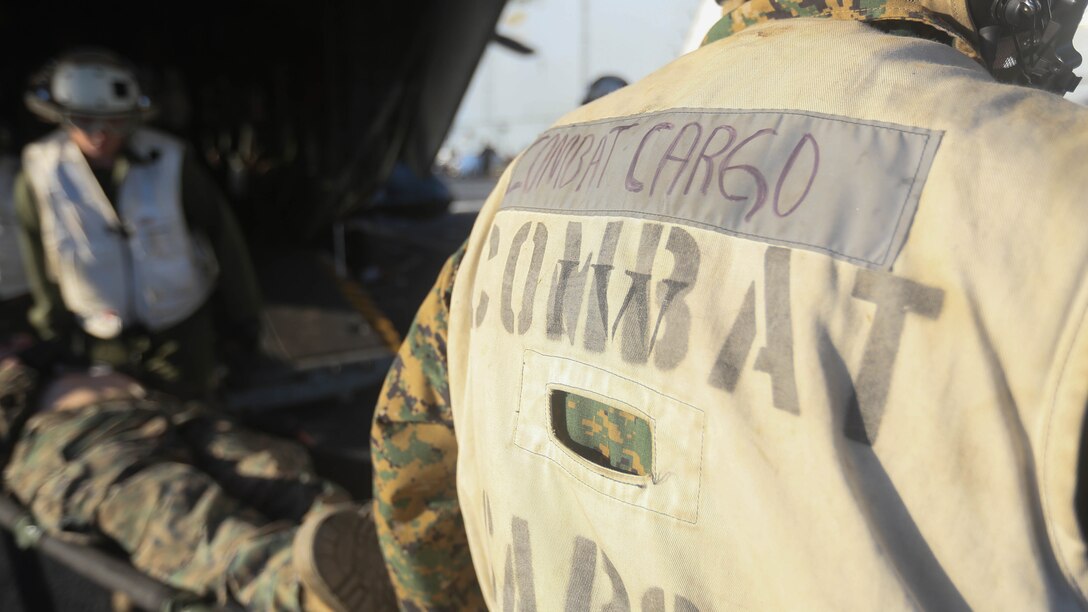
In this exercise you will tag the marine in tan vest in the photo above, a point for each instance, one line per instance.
(796, 322)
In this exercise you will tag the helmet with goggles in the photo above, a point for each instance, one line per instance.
(92, 90)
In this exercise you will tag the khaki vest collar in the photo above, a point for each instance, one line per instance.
(754, 12)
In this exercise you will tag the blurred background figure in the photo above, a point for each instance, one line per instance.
(134, 258)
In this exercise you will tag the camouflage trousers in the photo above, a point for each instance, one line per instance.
(166, 489)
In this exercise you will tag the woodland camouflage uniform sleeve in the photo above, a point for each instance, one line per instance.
(414, 454)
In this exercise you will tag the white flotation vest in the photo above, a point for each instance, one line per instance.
(12, 275)
(141, 266)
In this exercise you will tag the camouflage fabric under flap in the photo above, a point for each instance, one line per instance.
(608, 436)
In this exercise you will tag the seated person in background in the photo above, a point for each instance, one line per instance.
(133, 257)
(104, 457)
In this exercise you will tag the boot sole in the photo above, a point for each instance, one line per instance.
(330, 555)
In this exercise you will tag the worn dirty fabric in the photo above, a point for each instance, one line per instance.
(166, 486)
(854, 329)
(414, 453)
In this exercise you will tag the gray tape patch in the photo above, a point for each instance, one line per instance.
(840, 186)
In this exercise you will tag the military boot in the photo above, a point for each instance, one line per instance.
(339, 563)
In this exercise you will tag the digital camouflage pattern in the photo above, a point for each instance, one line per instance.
(164, 485)
(889, 12)
(606, 435)
(414, 453)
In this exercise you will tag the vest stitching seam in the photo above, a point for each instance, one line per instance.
(651, 475)
(612, 497)
(702, 436)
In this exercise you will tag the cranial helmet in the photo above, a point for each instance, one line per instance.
(89, 83)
